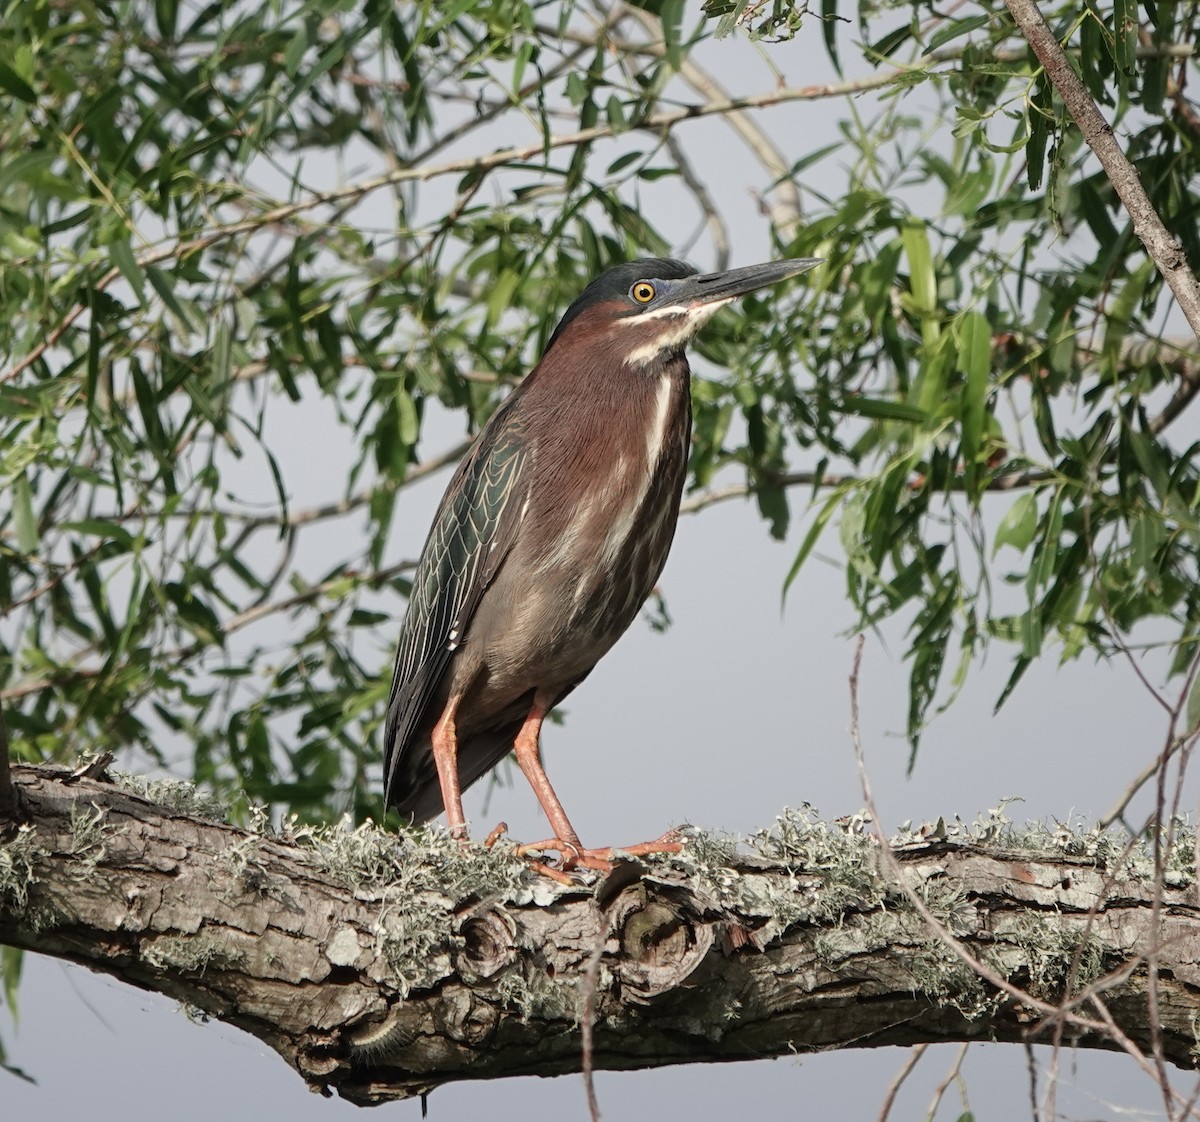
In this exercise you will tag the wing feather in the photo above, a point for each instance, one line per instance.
(473, 530)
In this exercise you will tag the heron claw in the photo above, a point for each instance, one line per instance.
(574, 856)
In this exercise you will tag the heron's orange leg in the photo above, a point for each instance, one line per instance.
(445, 758)
(566, 841)
(529, 758)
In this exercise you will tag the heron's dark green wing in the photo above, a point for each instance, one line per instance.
(473, 530)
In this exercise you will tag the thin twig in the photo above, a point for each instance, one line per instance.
(591, 983)
(788, 213)
(1117, 810)
(1105, 1025)
(914, 1056)
(1031, 1066)
(1009, 481)
(954, 1073)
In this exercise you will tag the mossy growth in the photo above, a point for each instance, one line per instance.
(418, 878)
(193, 954)
(178, 795)
(1056, 958)
(89, 829)
(18, 857)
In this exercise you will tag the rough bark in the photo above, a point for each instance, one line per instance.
(381, 966)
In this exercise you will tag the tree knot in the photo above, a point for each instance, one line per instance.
(661, 936)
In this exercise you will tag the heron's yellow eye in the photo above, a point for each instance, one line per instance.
(642, 292)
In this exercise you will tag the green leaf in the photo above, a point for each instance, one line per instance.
(622, 162)
(122, 254)
(194, 614)
(1018, 525)
(1039, 116)
(829, 25)
(890, 43)
(670, 13)
(24, 519)
(1147, 537)
(1045, 552)
(360, 617)
(1192, 710)
(1125, 35)
(974, 339)
(14, 84)
(922, 281)
(11, 961)
(163, 285)
(166, 16)
(615, 112)
(773, 506)
(100, 528)
(1020, 665)
(884, 410)
(812, 535)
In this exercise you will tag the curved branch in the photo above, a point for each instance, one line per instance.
(380, 966)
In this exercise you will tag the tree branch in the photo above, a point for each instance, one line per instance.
(380, 966)
(1165, 250)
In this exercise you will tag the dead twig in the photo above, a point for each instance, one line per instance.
(914, 1057)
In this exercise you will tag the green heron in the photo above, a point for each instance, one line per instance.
(550, 535)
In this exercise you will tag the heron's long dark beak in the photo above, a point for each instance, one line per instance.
(711, 288)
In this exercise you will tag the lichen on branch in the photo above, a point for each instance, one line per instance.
(380, 965)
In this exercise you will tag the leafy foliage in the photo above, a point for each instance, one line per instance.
(229, 232)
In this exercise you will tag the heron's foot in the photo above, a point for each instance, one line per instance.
(572, 855)
(498, 831)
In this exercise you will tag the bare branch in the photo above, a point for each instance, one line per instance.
(897, 1082)
(1062, 1014)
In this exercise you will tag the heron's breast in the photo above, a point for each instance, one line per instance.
(617, 538)
(592, 543)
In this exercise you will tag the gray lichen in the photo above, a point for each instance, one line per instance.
(802, 871)
(417, 877)
(18, 860)
(89, 829)
(178, 795)
(190, 953)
